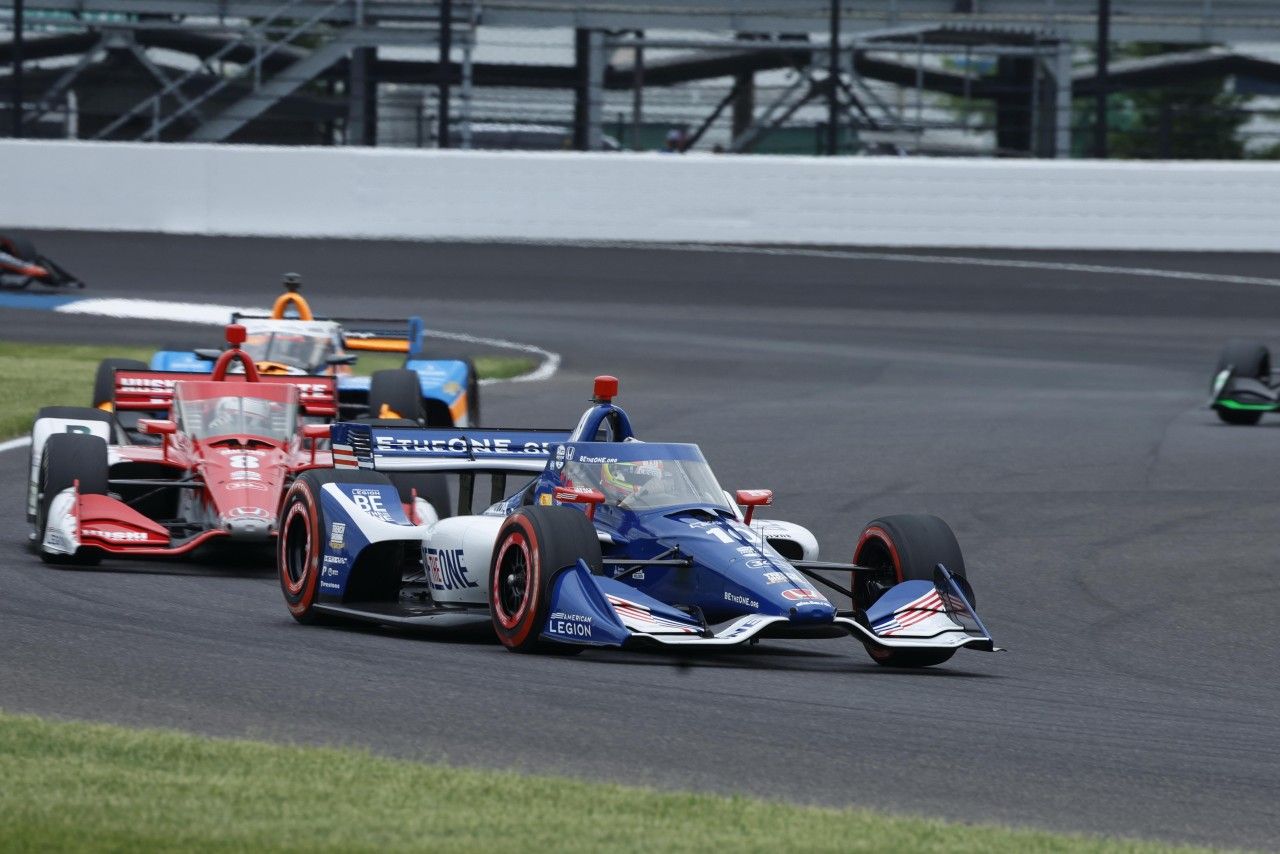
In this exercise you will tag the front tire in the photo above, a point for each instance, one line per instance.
(395, 393)
(69, 458)
(908, 547)
(62, 413)
(533, 546)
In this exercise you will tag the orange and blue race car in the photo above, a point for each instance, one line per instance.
(292, 341)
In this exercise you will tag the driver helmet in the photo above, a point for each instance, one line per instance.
(293, 348)
(621, 480)
(242, 414)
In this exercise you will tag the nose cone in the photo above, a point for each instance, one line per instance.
(813, 611)
(248, 529)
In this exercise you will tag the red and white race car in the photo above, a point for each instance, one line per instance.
(231, 444)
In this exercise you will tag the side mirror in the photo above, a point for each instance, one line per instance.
(753, 498)
(344, 359)
(580, 495)
(157, 427)
(316, 432)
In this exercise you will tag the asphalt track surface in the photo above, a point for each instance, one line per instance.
(1123, 544)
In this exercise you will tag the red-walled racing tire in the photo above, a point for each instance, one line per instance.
(909, 546)
(533, 545)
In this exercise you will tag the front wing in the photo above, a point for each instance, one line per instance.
(593, 610)
(77, 521)
(1243, 394)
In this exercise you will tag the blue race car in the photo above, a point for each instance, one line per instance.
(291, 341)
(606, 542)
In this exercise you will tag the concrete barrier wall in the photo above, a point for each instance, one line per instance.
(433, 195)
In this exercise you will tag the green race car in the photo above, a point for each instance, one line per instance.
(1243, 387)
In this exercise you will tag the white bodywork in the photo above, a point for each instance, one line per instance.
(61, 533)
(455, 551)
(456, 554)
(776, 529)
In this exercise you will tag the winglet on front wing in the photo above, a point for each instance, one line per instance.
(925, 615)
(78, 520)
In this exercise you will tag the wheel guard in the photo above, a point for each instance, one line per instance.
(598, 611)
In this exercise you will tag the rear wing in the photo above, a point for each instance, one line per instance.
(151, 391)
(446, 449)
(363, 333)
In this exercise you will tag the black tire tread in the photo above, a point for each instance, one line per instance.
(104, 385)
(399, 390)
(65, 459)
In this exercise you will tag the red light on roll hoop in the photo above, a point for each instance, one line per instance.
(606, 389)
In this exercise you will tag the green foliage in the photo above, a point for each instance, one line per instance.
(1190, 121)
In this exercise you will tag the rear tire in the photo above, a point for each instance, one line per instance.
(104, 381)
(300, 543)
(473, 395)
(66, 459)
(533, 546)
(395, 393)
(1248, 359)
(910, 546)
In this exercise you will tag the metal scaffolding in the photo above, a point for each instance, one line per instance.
(859, 71)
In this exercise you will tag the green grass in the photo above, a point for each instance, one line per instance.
(74, 786)
(36, 375)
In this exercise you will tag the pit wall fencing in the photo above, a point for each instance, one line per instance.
(703, 198)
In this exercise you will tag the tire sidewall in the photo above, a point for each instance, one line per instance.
(301, 506)
(520, 630)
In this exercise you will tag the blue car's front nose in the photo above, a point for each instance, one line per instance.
(812, 612)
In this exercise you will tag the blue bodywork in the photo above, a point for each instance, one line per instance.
(748, 576)
(344, 541)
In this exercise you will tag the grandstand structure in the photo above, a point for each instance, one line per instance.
(736, 75)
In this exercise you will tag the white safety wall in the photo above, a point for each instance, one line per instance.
(437, 195)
